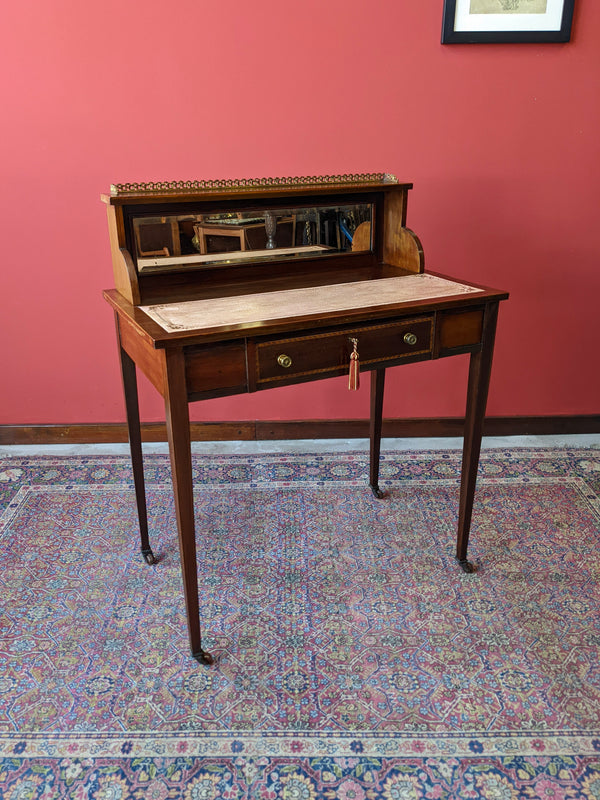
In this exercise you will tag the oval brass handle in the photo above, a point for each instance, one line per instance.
(284, 361)
(410, 338)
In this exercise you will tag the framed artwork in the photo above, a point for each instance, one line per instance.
(471, 21)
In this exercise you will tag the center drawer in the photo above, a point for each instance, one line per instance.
(326, 354)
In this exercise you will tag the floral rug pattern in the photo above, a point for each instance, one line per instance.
(353, 658)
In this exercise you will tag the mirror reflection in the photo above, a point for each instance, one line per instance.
(229, 237)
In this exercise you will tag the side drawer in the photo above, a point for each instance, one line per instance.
(459, 331)
(320, 355)
(215, 370)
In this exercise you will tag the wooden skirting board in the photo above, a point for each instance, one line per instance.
(299, 429)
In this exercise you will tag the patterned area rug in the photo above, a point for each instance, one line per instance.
(353, 658)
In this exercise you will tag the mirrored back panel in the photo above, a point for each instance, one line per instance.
(174, 242)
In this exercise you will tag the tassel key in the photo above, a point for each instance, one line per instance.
(354, 374)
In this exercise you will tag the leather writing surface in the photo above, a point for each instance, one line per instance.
(271, 306)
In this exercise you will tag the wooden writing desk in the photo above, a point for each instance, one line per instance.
(202, 328)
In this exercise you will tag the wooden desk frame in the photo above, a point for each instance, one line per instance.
(185, 366)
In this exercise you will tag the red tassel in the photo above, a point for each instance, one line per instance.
(354, 375)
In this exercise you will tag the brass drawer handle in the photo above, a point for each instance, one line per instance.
(284, 361)
(410, 338)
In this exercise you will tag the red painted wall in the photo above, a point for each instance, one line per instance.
(501, 142)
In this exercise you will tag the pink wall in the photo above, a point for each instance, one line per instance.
(501, 142)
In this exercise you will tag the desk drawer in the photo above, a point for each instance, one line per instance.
(326, 354)
(215, 370)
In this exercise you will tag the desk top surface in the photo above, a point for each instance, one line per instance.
(222, 317)
(249, 309)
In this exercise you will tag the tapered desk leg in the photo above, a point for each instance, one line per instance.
(135, 445)
(479, 380)
(178, 430)
(377, 387)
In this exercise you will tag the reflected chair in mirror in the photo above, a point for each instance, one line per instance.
(157, 237)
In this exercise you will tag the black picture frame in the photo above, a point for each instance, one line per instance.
(452, 36)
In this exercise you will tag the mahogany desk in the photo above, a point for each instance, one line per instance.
(201, 329)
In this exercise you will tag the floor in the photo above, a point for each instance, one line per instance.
(308, 445)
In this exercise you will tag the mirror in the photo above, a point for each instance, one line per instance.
(174, 241)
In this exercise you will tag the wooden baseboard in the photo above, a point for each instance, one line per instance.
(299, 429)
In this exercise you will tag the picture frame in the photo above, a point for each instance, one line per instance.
(487, 21)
